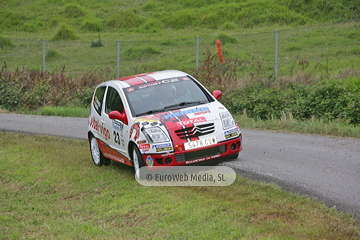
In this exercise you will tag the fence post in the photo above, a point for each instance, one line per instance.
(276, 54)
(197, 52)
(43, 55)
(118, 60)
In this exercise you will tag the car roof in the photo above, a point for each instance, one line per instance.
(146, 78)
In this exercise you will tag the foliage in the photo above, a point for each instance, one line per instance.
(65, 33)
(92, 25)
(125, 20)
(74, 11)
(29, 89)
(97, 43)
(327, 99)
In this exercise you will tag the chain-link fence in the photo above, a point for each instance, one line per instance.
(322, 50)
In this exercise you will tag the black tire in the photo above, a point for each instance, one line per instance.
(138, 161)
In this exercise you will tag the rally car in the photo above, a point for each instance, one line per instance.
(164, 118)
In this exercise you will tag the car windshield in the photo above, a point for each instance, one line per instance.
(165, 95)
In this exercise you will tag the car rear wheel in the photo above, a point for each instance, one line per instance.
(138, 161)
(96, 154)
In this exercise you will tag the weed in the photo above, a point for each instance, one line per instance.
(97, 43)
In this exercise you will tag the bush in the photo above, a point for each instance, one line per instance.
(327, 100)
(52, 54)
(92, 25)
(65, 33)
(97, 43)
(125, 19)
(10, 93)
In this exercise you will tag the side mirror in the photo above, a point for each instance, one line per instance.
(217, 94)
(119, 116)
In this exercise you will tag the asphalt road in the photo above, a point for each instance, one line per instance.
(327, 168)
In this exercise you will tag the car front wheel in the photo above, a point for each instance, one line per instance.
(96, 154)
(138, 161)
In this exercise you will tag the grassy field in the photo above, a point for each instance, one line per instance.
(51, 189)
(159, 35)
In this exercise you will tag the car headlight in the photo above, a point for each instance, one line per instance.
(156, 135)
(227, 120)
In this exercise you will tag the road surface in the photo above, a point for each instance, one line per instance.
(327, 168)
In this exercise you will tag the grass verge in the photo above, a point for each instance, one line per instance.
(49, 188)
(288, 124)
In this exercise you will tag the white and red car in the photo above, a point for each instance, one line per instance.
(164, 118)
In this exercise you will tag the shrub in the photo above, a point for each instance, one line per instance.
(65, 33)
(52, 54)
(11, 95)
(125, 19)
(93, 25)
(97, 43)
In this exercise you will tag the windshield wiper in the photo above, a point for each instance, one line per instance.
(150, 112)
(181, 104)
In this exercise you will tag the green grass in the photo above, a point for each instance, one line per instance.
(288, 124)
(49, 188)
(143, 27)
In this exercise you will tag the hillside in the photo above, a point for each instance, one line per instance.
(141, 16)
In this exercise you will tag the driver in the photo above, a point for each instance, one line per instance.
(165, 95)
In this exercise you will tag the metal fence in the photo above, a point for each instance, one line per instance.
(324, 49)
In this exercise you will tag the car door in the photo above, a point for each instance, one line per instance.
(118, 130)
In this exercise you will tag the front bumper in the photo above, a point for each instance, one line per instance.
(228, 148)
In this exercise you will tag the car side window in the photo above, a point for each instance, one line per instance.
(98, 99)
(113, 101)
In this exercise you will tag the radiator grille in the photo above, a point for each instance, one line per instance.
(195, 131)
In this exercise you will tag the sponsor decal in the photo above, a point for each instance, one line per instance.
(145, 120)
(202, 159)
(94, 123)
(108, 155)
(191, 121)
(185, 78)
(130, 89)
(149, 161)
(162, 147)
(118, 126)
(144, 146)
(135, 127)
(141, 142)
(196, 111)
(200, 113)
(231, 133)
